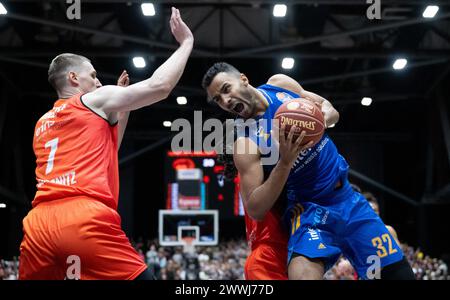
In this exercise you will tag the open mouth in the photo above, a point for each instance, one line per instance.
(238, 108)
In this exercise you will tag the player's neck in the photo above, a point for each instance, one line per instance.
(261, 102)
(68, 93)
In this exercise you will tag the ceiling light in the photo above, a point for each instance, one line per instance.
(400, 63)
(430, 11)
(181, 100)
(139, 62)
(279, 10)
(148, 9)
(366, 101)
(287, 63)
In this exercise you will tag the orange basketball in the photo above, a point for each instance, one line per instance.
(305, 115)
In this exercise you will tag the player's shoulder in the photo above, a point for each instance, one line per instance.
(285, 82)
(278, 78)
(391, 230)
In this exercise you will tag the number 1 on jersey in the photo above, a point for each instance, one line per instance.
(53, 144)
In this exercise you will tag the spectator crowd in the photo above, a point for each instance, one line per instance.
(226, 262)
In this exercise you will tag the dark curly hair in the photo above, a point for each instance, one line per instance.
(226, 157)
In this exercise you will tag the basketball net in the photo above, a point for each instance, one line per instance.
(188, 245)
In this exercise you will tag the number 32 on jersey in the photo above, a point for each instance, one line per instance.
(381, 242)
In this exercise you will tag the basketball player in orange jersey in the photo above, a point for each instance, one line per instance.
(73, 230)
(267, 238)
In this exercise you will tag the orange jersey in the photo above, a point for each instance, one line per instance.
(269, 230)
(268, 241)
(76, 154)
(55, 231)
(267, 262)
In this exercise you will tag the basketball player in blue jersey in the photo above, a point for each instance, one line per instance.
(326, 216)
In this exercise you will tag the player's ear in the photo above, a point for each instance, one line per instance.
(73, 78)
(244, 79)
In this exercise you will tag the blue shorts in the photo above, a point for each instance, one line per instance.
(347, 226)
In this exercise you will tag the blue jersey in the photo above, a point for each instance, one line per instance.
(316, 171)
(324, 220)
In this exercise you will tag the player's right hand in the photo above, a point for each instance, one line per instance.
(290, 147)
(180, 30)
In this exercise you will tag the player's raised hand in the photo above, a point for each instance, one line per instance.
(180, 30)
(124, 79)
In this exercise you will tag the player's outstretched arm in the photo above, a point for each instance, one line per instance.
(112, 99)
(331, 115)
(259, 196)
(124, 80)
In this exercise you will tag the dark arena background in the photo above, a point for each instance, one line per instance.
(394, 127)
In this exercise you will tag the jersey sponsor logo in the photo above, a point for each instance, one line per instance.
(314, 235)
(298, 123)
(321, 246)
(54, 112)
(66, 179)
(50, 115)
(320, 216)
(317, 215)
(280, 96)
(303, 154)
(261, 133)
(45, 125)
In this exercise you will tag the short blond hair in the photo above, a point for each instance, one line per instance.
(62, 64)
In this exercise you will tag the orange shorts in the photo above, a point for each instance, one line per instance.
(267, 262)
(76, 237)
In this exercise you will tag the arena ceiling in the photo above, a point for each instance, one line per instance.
(339, 53)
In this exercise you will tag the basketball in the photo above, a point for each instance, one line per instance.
(305, 115)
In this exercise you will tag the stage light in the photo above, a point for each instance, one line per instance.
(167, 123)
(2, 205)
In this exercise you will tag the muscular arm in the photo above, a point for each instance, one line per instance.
(124, 80)
(331, 115)
(123, 121)
(109, 100)
(258, 195)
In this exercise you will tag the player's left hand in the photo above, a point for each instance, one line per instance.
(330, 114)
(124, 79)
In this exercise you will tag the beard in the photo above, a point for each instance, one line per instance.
(249, 102)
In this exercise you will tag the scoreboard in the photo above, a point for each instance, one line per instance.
(195, 182)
